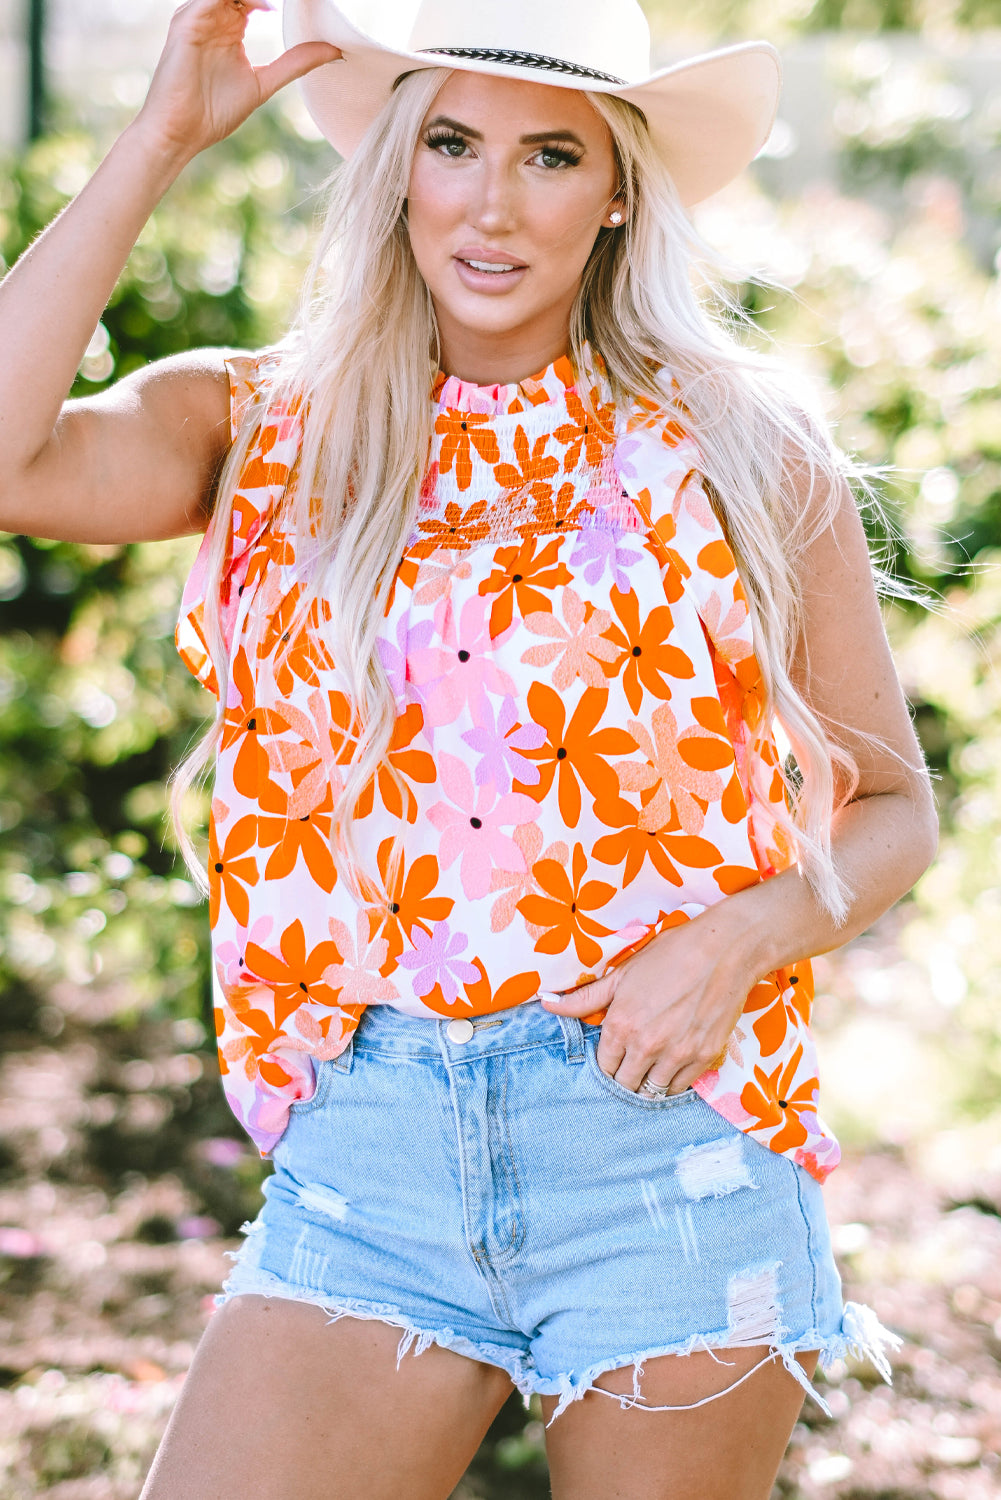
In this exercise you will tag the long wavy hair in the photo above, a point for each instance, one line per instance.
(654, 305)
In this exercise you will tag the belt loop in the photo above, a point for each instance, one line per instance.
(344, 1061)
(573, 1036)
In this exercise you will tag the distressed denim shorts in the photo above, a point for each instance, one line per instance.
(482, 1185)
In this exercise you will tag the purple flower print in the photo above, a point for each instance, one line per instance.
(598, 547)
(624, 450)
(436, 961)
(411, 646)
(471, 828)
(497, 742)
(460, 673)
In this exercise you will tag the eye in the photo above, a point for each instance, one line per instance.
(446, 142)
(555, 157)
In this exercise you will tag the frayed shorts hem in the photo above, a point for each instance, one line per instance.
(860, 1337)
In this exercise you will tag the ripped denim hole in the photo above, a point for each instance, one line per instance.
(713, 1170)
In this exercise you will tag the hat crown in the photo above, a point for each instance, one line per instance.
(592, 34)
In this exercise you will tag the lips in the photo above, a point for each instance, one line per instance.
(489, 262)
(483, 270)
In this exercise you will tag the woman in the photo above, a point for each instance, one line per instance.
(509, 885)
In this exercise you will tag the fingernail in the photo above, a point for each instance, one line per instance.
(550, 997)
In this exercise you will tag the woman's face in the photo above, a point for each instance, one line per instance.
(518, 177)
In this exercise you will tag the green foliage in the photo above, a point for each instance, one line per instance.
(94, 710)
(780, 18)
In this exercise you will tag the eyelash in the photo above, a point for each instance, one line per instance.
(565, 155)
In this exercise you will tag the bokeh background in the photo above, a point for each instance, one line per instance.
(122, 1178)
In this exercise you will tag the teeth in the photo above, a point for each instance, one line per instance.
(491, 266)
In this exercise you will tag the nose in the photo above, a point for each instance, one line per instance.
(494, 205)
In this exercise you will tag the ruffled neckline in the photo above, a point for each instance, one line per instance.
(548, 386)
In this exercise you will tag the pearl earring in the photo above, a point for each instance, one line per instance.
(615, 217)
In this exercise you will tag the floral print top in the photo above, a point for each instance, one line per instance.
(570, 651)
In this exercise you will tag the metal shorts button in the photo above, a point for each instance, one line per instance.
(459, 1031)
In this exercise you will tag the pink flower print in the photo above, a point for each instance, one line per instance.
(311, 1038)
(357, 978)
(599, 548)
(463, 669)
(436, 577)
(516, 884)
(673, 782)
(435, 960)
(728, 1105)
(429, 486)
(497, 742)
(690, 496)
(229, 955)
(723, 625)
(576, 646)
(471, 828)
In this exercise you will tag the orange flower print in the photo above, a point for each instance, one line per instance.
(562, 912)
(675, 776)
(576, 647)
(782, 1004)
(768, 1102)
(574, 754)
(460, 429)
(294, 834)
(243, 724)
(583, 433)
(632, 845)
(561, 513)
(531, 468)
(526, 574)
(458, 532)
(293, 975)
(301, 656)
(644, 658)
(231, 867)
(402, 765)
(411, 900)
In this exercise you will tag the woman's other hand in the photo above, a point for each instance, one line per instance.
(205, 86)
(671, 1007)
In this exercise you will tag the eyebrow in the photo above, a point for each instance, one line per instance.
(538, 139)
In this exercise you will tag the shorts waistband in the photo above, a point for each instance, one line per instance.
(392, 1032)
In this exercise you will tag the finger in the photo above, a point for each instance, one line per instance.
(610, 1057)
(682, 1079)
(677, 1080)
(295, 63)
(583, 1001)
(631, 1071)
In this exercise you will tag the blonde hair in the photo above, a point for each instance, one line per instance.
(360, 360)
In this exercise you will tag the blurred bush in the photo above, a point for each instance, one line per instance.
(94, 711)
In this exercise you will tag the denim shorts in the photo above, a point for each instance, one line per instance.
(484, 1186)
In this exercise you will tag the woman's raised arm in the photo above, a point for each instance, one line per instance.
(138, 461)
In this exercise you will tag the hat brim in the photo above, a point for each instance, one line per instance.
(709, 116)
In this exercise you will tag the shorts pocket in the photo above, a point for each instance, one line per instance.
(323, 1073)
(628, 1096)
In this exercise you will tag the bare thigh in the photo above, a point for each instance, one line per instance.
(280, 1404)
(728, 1450)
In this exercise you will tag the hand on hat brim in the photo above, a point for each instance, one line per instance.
(293, 64)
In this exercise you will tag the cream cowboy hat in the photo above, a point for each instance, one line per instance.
(708, 117)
